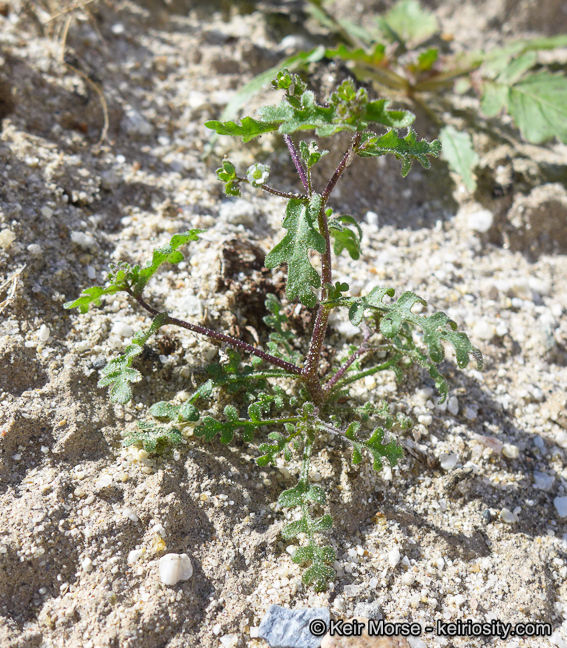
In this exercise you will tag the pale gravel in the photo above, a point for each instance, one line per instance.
(75, 507)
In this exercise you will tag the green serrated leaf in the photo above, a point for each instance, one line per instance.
(458, 151)
(376, 446)
(154, 438)
(348, 109)
(345, 238)
(293, 496)
(248, 129)
(167, 254)
(408, 23)
(538, 105)
(293, 529)
(294, 249)
(93, 295)
(165, 410)
(118, 375)
(404, 149)
(375, 57)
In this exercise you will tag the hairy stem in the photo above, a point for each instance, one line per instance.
(362, 349)
(295, 157)
(310, 371)
(215, 335)
(369, 372)
(275, 192)
(343, 165)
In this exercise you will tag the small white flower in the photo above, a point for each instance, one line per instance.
(257, 174)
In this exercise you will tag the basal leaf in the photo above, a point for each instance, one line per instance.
(405, 149)
(302, 235)
(459, 153)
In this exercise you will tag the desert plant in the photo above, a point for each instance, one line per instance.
(278, 389)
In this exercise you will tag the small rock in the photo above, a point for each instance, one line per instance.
(135, 123)
(543, 481)
(480, 221)
(470, 413)
(87, 565)
(368, 610)
(130, 514)
(448, 460)
(7, 237)
(510, 451)
(365, 640)
(174, 568)
(229, 640)
(486, 516)
(483, 330)
(103, 482)
(507, 516)
(346, 329)
(83, 240)
(43, 333)
(394, 557)
(35, 249)
(453, 405)
(135, 555)
(560, 504)
(501, 329)
(122, 329)
(285, 628)
(372, 218)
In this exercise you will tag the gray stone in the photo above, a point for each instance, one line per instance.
(368, 611)
(285, 628)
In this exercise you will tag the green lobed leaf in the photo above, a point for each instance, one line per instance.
(408, 23)
(123, 277)
(154, 438)
(118, 375)
(378, 449)
(458, 151)
(348, 109)
(436, 328)
(345, 238)
(167, 254)
(538, 105)
(93, 295)
(320, 572)
(375, 57)
(404, 149)
(294, 249)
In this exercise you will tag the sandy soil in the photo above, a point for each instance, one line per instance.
(478, 536)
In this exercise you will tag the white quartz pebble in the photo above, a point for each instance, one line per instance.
(43, 333)
(122, 329)
(394, 557)
(174, 568)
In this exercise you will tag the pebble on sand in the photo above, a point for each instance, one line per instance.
(174, 568)
(285, 628)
